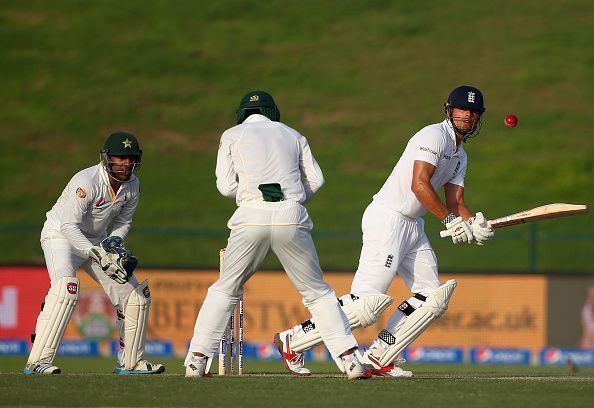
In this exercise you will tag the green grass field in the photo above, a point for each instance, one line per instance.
(358, 78)
(87, 382)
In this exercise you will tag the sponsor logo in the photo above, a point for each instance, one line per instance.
(487, 355)
(422, 354)
(445, 156)
(426, 149)
(147, 292)
(100, 202)
(93, 315)
(561, 356)
(79, 348)
(81, 193)
(72, 288)
(13, 347)
(389, 260)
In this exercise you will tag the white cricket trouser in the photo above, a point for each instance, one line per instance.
(394, 244)
(246, 248)
(62, 260)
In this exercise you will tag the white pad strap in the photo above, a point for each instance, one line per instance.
(418, 321)
(136, 323)
(55, 315)
(361, 311)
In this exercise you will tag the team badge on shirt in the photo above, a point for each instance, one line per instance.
(81, 193)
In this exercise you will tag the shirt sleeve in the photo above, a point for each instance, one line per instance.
(79, 198)
(427, 146)
(311, 173)
(123, 222)
(225, 172)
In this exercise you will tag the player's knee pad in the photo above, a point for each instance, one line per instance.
(136, 316)
(361, 311)
(417, 321)
(55, 315)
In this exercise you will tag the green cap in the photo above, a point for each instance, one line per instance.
(122, 144)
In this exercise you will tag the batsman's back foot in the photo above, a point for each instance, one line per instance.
(142, 367)
(292, 360)
(41, 369)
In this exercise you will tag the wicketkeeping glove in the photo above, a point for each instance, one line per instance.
(458, 229)
(115, 261)
(481, 229)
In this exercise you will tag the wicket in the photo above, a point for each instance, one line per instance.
(228, 347)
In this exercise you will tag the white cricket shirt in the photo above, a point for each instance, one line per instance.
(261, 151)
(434, 144)
(88, 206)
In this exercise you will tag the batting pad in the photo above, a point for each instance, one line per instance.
(418, 321)
(135, 325)
(55, 315)
(360, 312)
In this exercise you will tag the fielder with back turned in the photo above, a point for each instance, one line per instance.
(270, 171)
(394, 241)
(75, 235)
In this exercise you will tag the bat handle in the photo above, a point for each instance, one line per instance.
(445, 233)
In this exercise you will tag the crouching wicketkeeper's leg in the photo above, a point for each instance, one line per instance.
(55, 314)
(132, 323)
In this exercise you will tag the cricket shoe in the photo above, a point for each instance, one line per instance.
(353, 367)
(41, 368)
(197, 366)
(374, 366)
(293, 360)
(142, 367)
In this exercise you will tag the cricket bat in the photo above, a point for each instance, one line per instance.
(544, 212)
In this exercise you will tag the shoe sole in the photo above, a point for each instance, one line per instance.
(26, 371)
(121, 371)
(279, 346)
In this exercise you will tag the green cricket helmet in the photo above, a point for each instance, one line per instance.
(120, 144)
(259, 102)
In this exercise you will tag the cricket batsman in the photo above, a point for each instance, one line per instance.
(75, 235)
(394, 241)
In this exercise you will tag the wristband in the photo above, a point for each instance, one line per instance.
(450, 217)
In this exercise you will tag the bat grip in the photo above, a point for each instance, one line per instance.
(445, 233)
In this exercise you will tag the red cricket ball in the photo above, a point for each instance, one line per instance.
(511, 120)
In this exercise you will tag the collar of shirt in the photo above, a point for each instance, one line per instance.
(256, 117)
(450, 131)
(105, 179)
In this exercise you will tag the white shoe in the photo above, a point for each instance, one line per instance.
(353, 367)
(293, 360)
(197, 366)
(142, 367)
(391, 370)
(41, 368)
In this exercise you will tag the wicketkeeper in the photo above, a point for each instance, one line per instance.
(395, 243)
(75, 235)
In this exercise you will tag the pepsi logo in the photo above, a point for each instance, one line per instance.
(415, 353)
(552, 355)
(483, 354)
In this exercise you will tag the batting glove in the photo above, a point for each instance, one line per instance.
(458, 229)
(481, 229)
